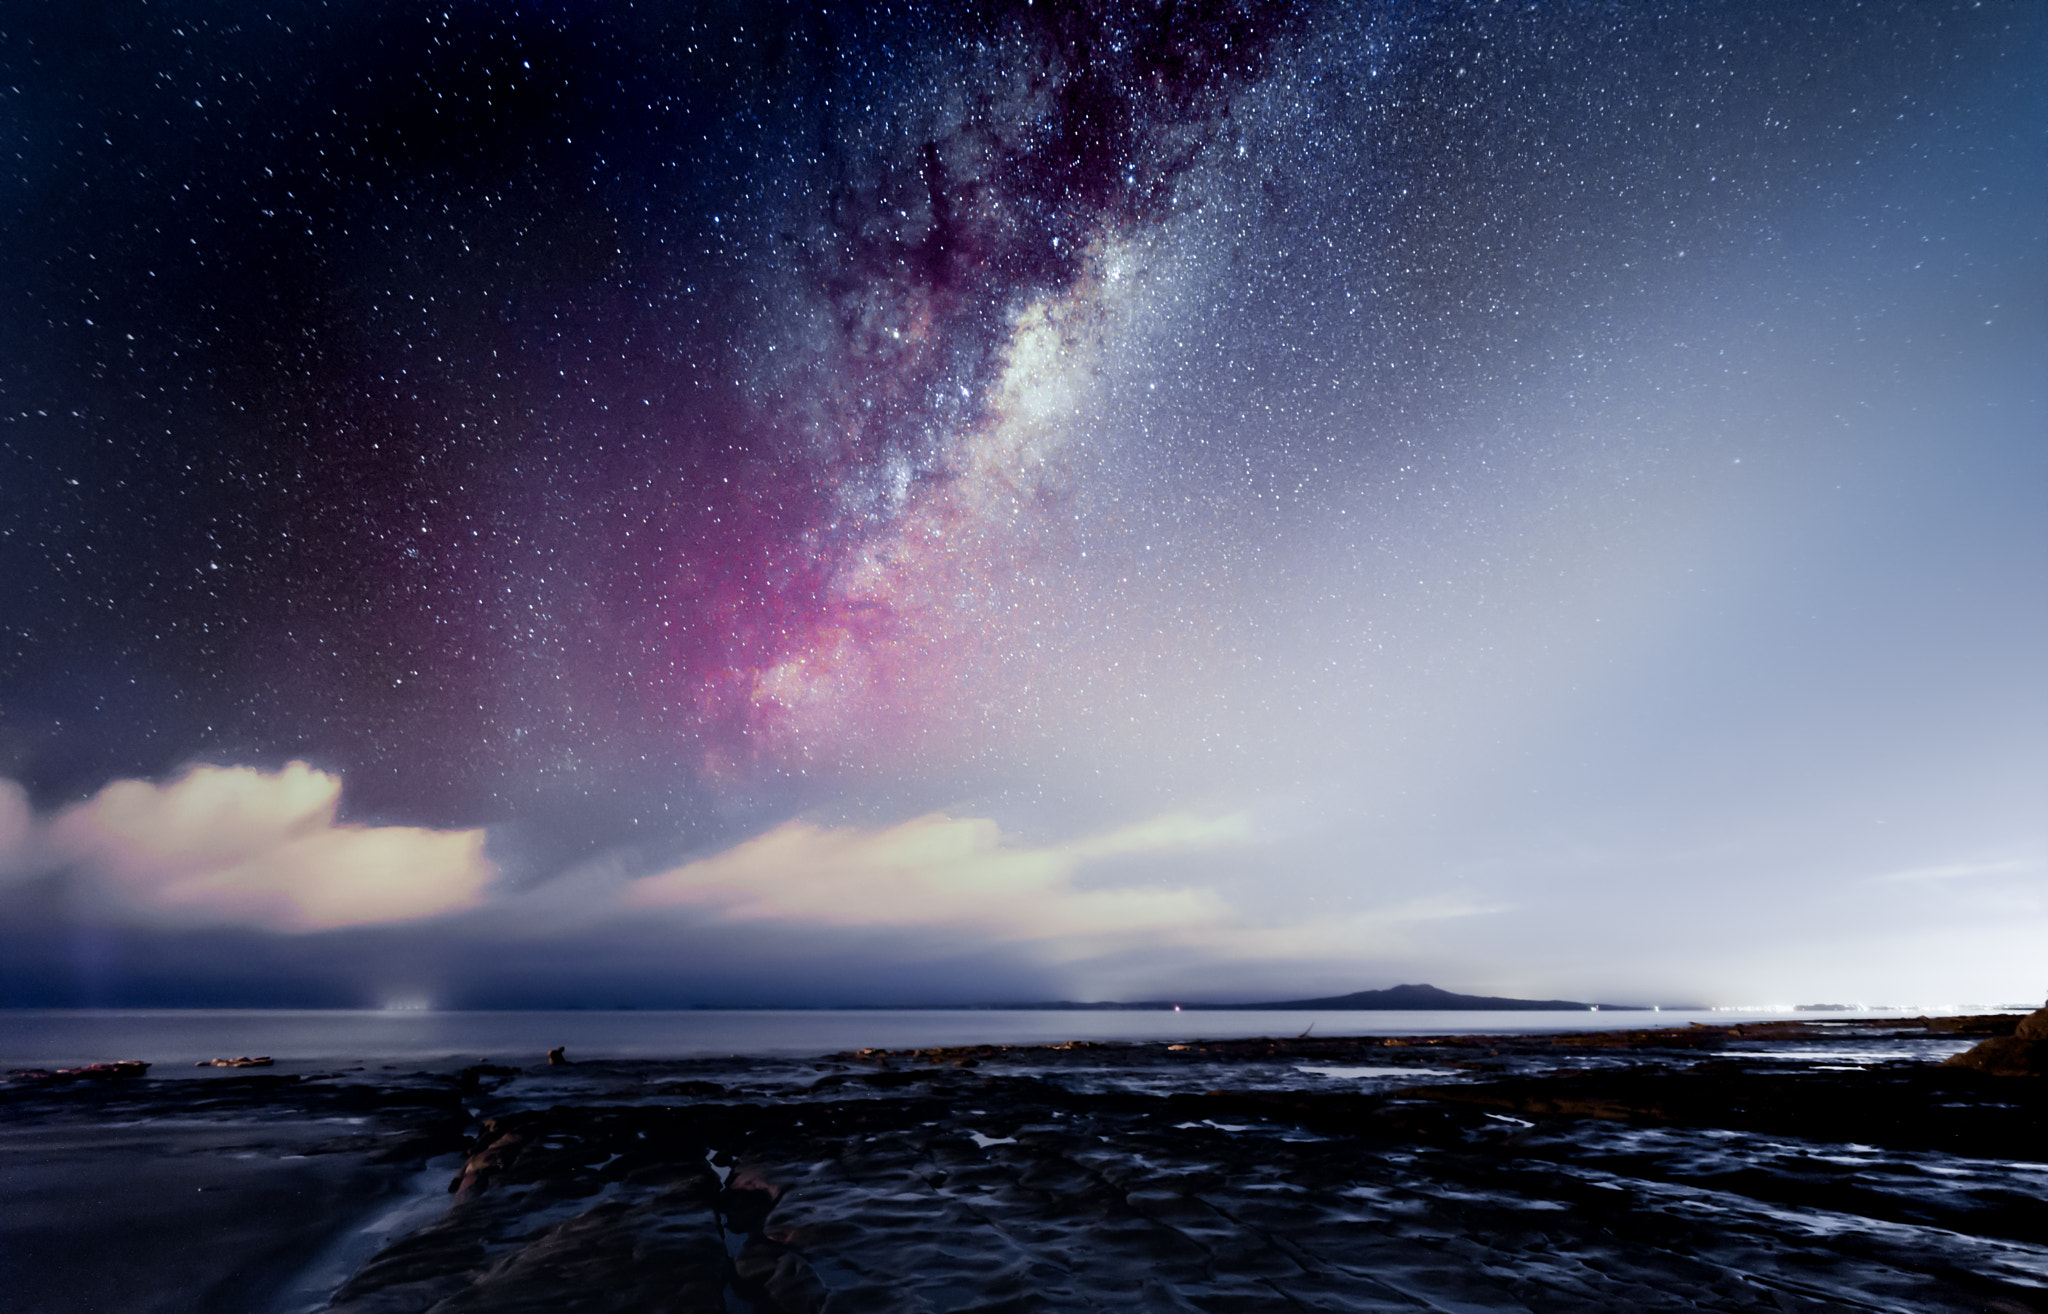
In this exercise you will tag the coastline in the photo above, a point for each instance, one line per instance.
(1793, 1164)
(314, 1040)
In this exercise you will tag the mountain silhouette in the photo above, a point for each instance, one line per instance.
(1425, 997)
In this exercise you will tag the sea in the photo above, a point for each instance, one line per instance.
(179, 1038)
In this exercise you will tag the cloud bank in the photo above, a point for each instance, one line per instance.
(934, 908)
(942, 872)
(240, 846)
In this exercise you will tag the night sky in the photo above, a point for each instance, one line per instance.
(521, 502)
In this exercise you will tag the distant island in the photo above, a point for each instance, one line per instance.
(1392, 999)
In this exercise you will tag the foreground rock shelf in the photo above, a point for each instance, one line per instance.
(1784, 1167)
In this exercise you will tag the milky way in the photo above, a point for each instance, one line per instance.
(948, 267)
(654, 356)
(1465, 440)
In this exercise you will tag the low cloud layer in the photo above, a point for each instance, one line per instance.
(942, 872)
(239, 846)
(958, 883)
(961, 908)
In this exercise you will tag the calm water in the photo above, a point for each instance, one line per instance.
(176, 1039)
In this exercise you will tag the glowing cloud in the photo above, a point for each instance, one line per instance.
(238, 845)
(957, 877)
(937, 871)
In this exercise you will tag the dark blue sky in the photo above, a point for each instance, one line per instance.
(513, 502)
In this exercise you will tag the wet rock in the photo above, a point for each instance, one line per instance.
(689, 1089)
(2024, 1053)
(622, 1256)
(90, 1072)
(197, 1194)
(746, 1201)
(1668, 1172)
(471, 1079)
(777, 1279)
(1973, 1024)
(1907, 1106)
(2006, 1056)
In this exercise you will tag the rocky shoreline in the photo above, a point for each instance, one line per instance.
(1802, 1165)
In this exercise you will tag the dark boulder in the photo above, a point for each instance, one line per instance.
(2024, 1053)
